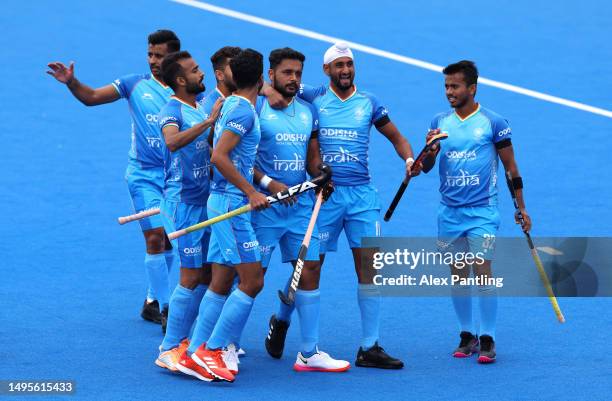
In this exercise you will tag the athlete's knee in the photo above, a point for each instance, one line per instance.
(155, 240)
(205, 274)
(190, 278)
(253, 286)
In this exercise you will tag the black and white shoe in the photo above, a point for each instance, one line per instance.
(275, 341)
(376, 357)
(164, 319)
(150, 312)
(487, 349)
(467, 346)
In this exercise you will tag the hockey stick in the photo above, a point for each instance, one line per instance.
(400, 192)
(138, 216)
(534, 253)
(295, 190)
(299, 264)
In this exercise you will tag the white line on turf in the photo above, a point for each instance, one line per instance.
(389, 55)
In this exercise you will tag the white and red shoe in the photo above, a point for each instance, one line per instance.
(212, 361)
(320, 362)
(191, 368)
(230, 357)
(168, 359)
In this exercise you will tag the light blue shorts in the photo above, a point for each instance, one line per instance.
(471, 228)
(192, 247)
(232, 241)
(285, 226)
(146, 186)
(356, 209)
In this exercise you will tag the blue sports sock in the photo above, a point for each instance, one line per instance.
(285, 311)
(236, 283)
(158, 278)
(231, 322)
(176, 330)
(194, 307)
(307, 304)
(488, 309)
(462, 301)
(368, 296)
(210, 309)
(150, 294)
(174, 270)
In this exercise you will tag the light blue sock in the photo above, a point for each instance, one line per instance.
(462, 301)
(194, 307)
(174, 270)
(210, 309)
(231, 322)
(235, 283)
(150, 294)
(157, 272)
(488, 309)
(176, 330)
(285, 311)
(307, 304)
(368, 296)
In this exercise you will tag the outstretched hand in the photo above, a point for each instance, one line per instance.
(60, 72)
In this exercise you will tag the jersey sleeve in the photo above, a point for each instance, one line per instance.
(259, 104)
(315, 117)
(170, 115)
(310, 93)
(239, 120)
(379, 112)
(435, 122)
(125, 85)
(501, 129)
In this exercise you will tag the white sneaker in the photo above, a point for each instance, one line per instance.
(230, 357)
(241, 352)
(320, 362)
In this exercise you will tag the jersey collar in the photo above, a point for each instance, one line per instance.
(220, 93)
(159, 82)
(184, 102)
(242, 97)
(472, 114)
(339, 98)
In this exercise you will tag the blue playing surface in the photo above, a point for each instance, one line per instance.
(73, 279)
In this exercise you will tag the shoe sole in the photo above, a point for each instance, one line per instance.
(485, 359)
(193, 373)
(150, 319)
(197, 360)
(164, 365)
(372, 365)
(300, 368)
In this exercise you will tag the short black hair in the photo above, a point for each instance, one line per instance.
(278, 55)
(247, 67)
(166, 36)
(467, 67)
(221, 56)
(171, 69)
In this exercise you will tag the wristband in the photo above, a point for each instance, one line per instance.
(409, 160)
(265, 181)
(517, 183)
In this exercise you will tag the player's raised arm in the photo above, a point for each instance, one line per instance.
(86, 94)
(176, 140)
(222, 161)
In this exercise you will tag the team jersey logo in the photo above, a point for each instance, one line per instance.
(465, 155)
(347, 134)
(289, 138)
(237, 126)
(295, 164)
(147, 96)
(464, 179)
(154, 142)
(359, 114)
(342, 156)
(304, 118)
(200, 171)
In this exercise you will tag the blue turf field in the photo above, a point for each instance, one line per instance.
(73, 281)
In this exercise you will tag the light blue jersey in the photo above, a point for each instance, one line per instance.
(146, 96)
(187, 169)
(207, 102)
(468, 158)
(239, 117)
(284, 140)
(344, 131)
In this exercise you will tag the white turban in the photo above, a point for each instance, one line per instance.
(340, 49)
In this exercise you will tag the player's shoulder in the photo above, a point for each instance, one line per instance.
(305, 104)
(492, 116)
(442, 115)
(172, 107)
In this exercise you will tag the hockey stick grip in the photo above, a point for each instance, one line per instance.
(137, 216)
